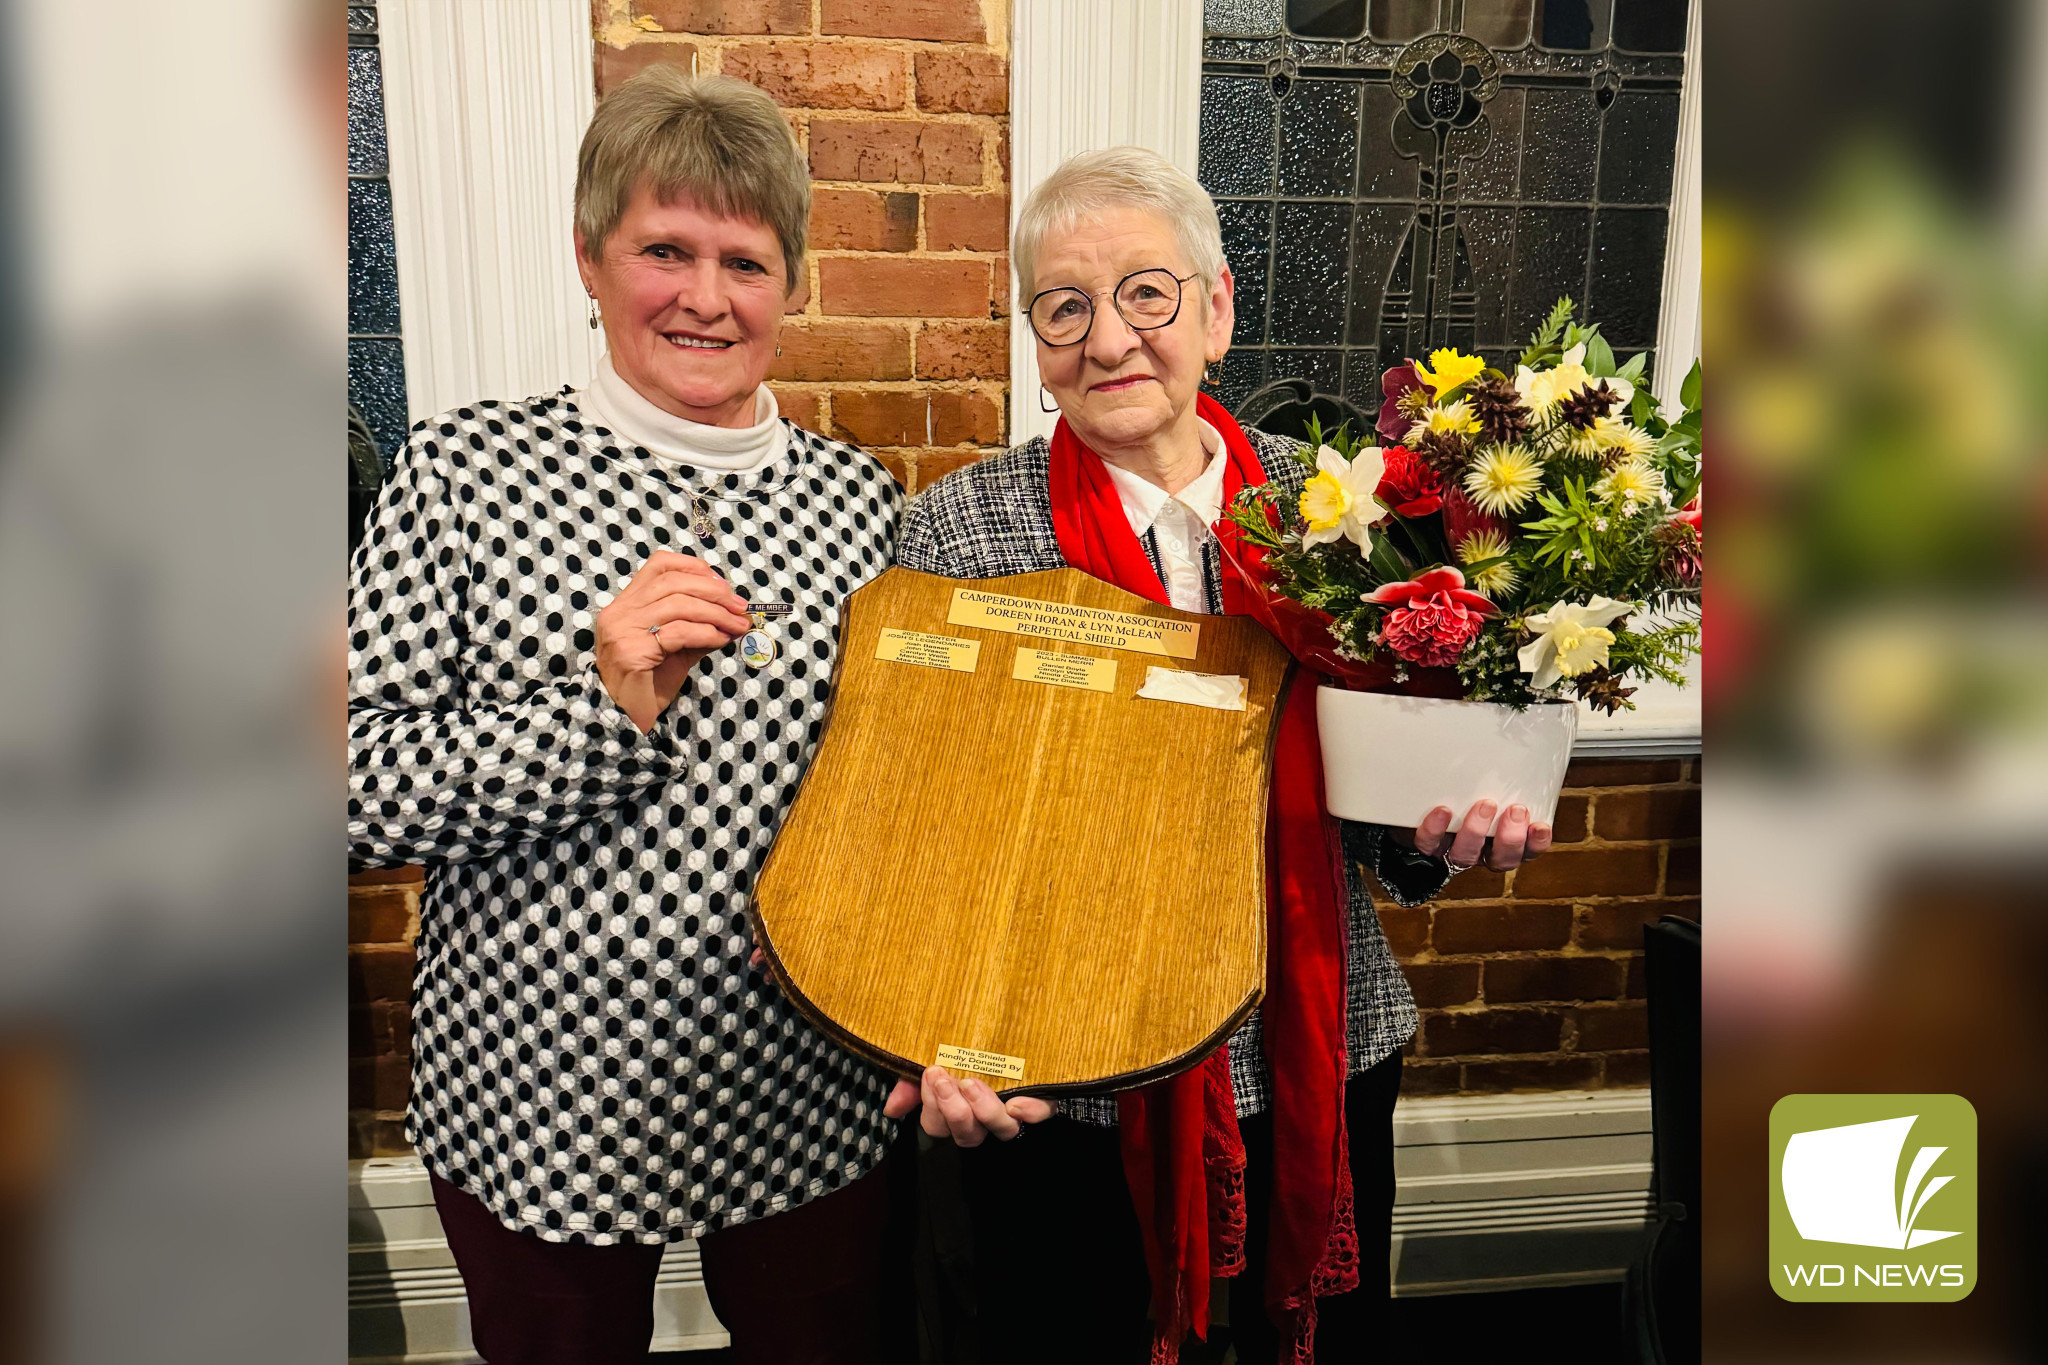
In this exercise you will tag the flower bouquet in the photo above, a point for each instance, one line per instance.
(1518, 543)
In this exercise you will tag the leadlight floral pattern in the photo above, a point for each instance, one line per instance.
(1399, 175)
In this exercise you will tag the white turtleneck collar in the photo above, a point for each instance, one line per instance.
(611, 402)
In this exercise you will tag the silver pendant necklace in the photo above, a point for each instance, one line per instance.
(701, 523)
(758, 648)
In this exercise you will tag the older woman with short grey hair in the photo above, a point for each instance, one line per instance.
(592, 642)
(1121, 272)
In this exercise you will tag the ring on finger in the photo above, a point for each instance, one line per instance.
(654, 630)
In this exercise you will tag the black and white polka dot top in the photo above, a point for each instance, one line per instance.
(592, 1056)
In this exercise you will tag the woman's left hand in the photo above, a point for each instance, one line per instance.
(965, 1110)
(1514, 843)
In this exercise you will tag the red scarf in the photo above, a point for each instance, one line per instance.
(1182, 1153)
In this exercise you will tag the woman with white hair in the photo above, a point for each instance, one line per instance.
(1273, 1160)
(592, 641)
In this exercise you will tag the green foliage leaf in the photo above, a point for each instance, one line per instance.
(1689, 391)
(1599, 355)
(1543, 344)
(1425, 539)
(1569, 525)
(1387, 562)
(1633, 370)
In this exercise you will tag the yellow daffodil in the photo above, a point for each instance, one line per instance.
(1453, 418)
(1497, 581)
(1633, 483)
(1451, 371)
(1323, 502)
(1571, 638)
(1503, 479)
(1338, 502)
(1580, 648)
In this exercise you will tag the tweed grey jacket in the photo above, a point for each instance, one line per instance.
(993, 520)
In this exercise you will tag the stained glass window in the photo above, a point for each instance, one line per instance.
(1398, 175)
(376, 359)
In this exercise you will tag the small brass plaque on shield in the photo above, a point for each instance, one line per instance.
(981, 1063)
(1064, 670)
(1073, 623)
(933, 651)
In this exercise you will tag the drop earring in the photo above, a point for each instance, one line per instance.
(1209, 375)
(778, 348)
(593, 313)
(1044, 406)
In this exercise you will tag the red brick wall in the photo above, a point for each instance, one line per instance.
(1533, 980)
(902, 107)
(383, 920)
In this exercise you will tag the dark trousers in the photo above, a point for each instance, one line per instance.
(1059, 1266)
(799, 1287)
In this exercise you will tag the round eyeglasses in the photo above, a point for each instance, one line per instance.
(1144, 299)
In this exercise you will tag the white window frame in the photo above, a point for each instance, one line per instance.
(1079, 79)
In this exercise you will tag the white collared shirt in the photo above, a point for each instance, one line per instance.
(1180, 521)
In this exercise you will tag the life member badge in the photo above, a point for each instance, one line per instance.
(758, 647)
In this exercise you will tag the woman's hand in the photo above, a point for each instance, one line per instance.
(674, 612)
(965, 1110)
(1514, 843)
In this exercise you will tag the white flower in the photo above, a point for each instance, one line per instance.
(1542, 388)
(1504, 478)
(1570, 638)
(1338, 501)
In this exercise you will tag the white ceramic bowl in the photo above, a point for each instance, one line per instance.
(1391, 760)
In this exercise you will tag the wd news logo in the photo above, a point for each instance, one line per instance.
(1873, 1198)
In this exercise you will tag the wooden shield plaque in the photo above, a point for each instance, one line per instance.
(1007, 860)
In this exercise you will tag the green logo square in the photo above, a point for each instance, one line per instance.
(1873, 1198)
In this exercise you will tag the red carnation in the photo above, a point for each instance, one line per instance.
(1440, 619)
(1408, 485)
(1448, 581)
(1431, 631)
(1394, 384)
